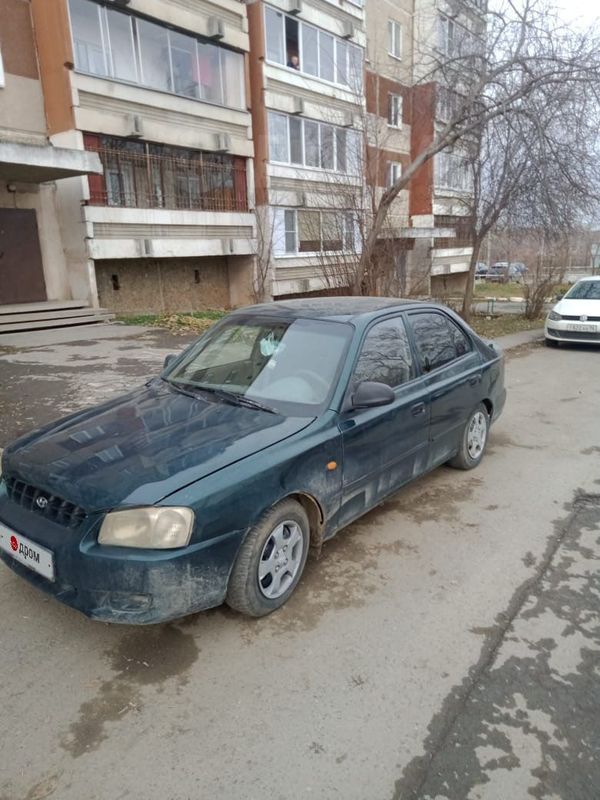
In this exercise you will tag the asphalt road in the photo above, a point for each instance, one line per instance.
(446, 647)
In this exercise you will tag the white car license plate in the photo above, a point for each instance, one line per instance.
(27, 552)
(582, 328)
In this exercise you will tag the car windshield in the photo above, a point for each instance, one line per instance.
(290, 366)
(584, 290)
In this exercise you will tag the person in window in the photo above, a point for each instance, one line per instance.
(293, 61)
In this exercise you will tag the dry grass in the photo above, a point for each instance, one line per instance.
(504, 324)
(181, 322)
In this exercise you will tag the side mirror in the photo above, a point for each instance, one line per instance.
(169, 360)
(369, 394)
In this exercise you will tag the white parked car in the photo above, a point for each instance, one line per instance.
(576, 318)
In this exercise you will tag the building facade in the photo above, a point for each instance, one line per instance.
(214, 152)
(427, 236)
(451, 29)
(33, 267)
(157, 91)
(306, 76)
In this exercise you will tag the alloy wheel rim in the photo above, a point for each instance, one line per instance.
(476, 435)
(280, 559)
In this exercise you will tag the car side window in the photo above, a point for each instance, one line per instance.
(461, 341)
(438, 340)
(386, 355)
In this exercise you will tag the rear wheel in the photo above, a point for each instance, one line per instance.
(271, 560)
(551, 342)
(474, 440)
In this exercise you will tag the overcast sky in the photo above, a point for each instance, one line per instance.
(581, 10)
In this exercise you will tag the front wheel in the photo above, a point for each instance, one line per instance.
(271, 560)
(474, 440)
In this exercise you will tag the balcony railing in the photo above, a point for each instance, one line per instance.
(146, 180)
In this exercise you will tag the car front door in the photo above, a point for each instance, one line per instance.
(453, 370)
(384, 446)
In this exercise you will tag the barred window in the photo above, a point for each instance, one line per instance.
(144, 175)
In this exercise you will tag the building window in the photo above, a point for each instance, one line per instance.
(116, 44)
(395, 110)
(310, 231)
(307, 143)
(279, 149)
(394, 172)
(449, 104)
(312, 51)
(122, 50)
(456, 40)
(394, 38)
(452, 172)
(446, 35)
(291, 242)
(274, 35)
(1, 72)
(144, 175)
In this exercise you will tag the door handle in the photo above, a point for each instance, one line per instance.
(474, 379)
(418, 408)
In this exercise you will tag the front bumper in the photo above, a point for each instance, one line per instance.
(561, 330)
(114, 584)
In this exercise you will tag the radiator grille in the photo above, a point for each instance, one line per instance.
(54, 508)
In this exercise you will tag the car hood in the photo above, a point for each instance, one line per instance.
(578, 308)
(140, 448)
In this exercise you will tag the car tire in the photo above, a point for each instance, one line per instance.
(473, 440)
(265, 572)
(551, 342)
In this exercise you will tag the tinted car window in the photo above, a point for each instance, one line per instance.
(385, 356)
(438, 340)
(461, 341)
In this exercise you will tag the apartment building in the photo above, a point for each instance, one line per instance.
(156, 90)
(453, 28)
(426, 237)
(306, 76)
(33, 267)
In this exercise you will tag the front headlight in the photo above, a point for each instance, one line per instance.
(554, 315)
(152, 527)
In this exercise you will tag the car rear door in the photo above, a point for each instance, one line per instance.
(453, 369)
(386, 446)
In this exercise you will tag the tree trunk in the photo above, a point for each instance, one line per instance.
(468, 298)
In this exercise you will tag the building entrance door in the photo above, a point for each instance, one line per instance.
(21, 271)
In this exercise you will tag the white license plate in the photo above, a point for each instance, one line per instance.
(27, 552)
(582, 328)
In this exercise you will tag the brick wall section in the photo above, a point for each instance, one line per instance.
(155, 286)
(377, 92)
(256, 58)
(16, 39)
(377, 163)
(55, 55)
(423, 112)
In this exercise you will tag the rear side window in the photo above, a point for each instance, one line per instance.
(438, 340)
(385, 356)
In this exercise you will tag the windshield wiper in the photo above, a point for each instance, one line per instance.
(237, 399)
(192, 390)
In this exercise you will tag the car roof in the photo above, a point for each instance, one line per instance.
(590, 278)
(336, 308)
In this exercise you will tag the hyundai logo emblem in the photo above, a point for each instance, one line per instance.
(583, 318)
(41, 502)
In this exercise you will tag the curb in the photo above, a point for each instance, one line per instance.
(512, 341)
